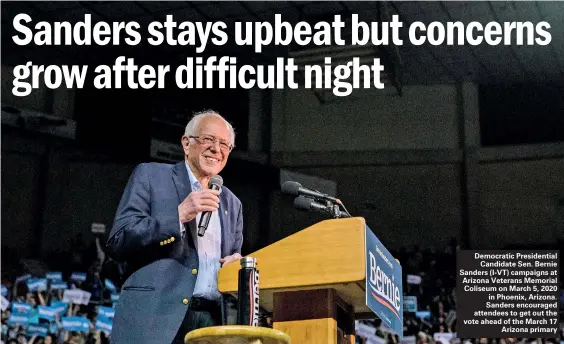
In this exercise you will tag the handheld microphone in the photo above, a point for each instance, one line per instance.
(296, 189)
(215, 184)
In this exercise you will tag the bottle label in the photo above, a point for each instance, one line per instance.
(254, 293)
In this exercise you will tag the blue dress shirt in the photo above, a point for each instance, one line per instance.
(209, 250)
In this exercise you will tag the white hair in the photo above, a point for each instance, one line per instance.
(195, 121)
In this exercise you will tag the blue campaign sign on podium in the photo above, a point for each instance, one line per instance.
(384, 294)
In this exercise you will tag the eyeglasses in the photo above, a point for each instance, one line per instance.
(210, 141)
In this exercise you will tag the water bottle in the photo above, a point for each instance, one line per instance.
(248, 293)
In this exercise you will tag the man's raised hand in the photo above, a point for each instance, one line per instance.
(198, 202)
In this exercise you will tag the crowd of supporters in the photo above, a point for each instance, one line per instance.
(72, 300)
(73, 304)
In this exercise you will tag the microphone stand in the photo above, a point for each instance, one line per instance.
(335, 211)
(329, 207)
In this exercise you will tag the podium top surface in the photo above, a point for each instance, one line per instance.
(236, 334)
(329, 254)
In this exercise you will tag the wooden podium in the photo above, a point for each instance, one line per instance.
(313, 281)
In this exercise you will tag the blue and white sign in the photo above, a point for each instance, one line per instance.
(410, 304)
(104, 324)
(23, 278)
(21, 307)
(78, 324)
(384, 291)
(413, 279)
(107, 312)
(423, 315)
(18, 319)
(39, 330)
(54, 275)
(47, 312)
(37, 284)
(59, 285)
(60, 307)
(109, 284)
(78, 276)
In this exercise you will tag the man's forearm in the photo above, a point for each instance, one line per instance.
(134, 233)
(134, 228)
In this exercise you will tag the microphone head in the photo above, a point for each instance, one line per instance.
(303, 203)
(217, 181)
(291, 188)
